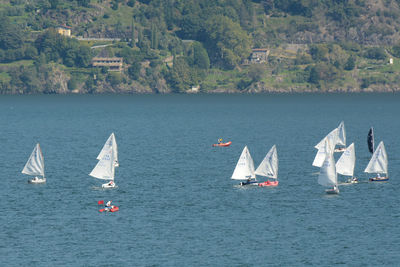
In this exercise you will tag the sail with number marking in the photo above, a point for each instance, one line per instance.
(105, 168)
(245, 166)
(110, 143)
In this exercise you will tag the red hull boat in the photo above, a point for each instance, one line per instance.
(223, 144)
(269, 183)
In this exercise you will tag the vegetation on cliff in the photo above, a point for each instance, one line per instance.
(176, 45)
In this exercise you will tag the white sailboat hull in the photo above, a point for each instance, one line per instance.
(37, 180)
(332, 191)
(107, 185)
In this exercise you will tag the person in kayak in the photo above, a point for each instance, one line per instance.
(108, 205)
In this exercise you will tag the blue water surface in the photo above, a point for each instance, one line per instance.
(178, 205)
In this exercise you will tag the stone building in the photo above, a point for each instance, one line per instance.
(112, 63)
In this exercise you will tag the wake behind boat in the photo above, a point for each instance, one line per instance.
(35, 166)
(244, 169)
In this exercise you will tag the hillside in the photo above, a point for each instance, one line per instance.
(198, 45)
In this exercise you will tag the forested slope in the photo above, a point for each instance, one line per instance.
(175, 45)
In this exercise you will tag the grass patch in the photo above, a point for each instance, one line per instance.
(18, 63)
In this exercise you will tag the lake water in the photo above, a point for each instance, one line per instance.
(178, 205)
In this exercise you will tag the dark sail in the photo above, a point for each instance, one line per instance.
(370, 140)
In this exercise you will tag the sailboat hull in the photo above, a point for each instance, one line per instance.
(37, 180)
(249, 183)
(379, 179)
(107, 185)
(269, 183)
(332, 191)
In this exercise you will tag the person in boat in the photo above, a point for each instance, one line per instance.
(220, 141)
(248, 181)
(111, 183)
(108, 205)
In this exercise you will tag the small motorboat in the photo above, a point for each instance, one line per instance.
(223, 144)
(268, 183)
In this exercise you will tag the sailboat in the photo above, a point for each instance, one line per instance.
(110, 143)
(345, 164)
(327, 176)
(269, 168)
(323, 149)
(341, 138)
(244, 169)
(336, 137)
(35, 166)
(105, 168)
(370, 140)
(378, 164)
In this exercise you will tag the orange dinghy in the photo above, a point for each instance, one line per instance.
(223, 144)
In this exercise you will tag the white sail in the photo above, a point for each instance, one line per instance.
(327, 175)
(35, 163)
(244, 167)
(345, 164)
(326, 147)
(105, 168)
(341, 135)
(110, 143)
(269, 166)
(333, 138)
(379, 161)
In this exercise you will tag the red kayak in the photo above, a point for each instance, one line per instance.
(223, 144)
(113, 209)
(269, 183)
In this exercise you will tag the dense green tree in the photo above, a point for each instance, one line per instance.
(200, 56)
(134, 70)
(11, 35)
(350, 63)
(226, 42)
(181, 77)
(378, 53)
(318, 52)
